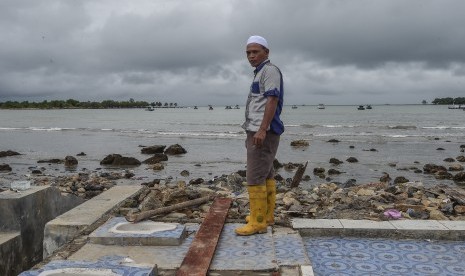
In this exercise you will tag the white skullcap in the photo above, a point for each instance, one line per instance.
(257, 39)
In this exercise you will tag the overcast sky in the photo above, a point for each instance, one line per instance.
(193, 52)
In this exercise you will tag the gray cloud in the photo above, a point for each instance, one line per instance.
(330, 51)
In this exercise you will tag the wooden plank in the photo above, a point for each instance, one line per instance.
(200, 253)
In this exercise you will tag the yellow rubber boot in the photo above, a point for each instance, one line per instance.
(270, 201)
(257, 221)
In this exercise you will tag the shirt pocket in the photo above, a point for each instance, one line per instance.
(255, 88)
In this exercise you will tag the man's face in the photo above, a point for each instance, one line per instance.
(256, 54)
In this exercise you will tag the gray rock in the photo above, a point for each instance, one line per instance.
(156, 158)
(319, 170)
(153, 149)
(349, 183)
(8, 153)
(333, 171)
(299, 143)
(335, 161)
(51, 161)
(352, 160)
(175, 149)
(400, 179)
(456, 167)
(5, 168)
(71, 161)
(118, 160)
(460, 177)
(432, 168)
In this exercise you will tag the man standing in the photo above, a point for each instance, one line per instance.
(263, 127)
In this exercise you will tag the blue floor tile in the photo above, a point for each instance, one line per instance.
(355, 256)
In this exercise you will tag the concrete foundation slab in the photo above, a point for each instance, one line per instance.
(366, 228)
(457, 229)
(107, 266)
(10, 253)
(421, 229)
(84, 217)
(453, 225)
(317, 227)
(165, 257)
(257, 254)
(118, 231)
(27, 212)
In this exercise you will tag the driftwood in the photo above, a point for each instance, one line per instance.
(298, 175)
(455, 193)
(148, 214)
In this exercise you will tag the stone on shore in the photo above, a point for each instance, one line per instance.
(456, 167)
(299, 143)
(156, 158)
(51, 161)
(157, 167)
(70, 161)
(8, 153)
(352, 160)
(460, 177)
(153, 149)
(119, 160)
(400, 179)
(175, 149)
(335, 161)
(5, 168)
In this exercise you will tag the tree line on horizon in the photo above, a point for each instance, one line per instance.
(71, 103)
(449, 100)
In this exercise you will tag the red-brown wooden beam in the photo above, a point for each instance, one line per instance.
(200, 253)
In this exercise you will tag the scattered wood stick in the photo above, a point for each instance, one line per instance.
(150, 213)
(298, 175)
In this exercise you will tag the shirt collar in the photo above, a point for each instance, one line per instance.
(259, 67)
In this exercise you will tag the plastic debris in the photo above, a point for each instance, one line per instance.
(393, 214)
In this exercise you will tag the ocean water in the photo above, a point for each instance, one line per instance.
(407, 135)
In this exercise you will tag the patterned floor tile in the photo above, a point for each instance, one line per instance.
(355, 256)
(108, 265)
(235, 252)
(289, 249)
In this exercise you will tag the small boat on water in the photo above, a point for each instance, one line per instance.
(149, 108)
(210, 107)
(294, 107)
(368, 107)
(237, 107)
(228, 107)
(321, 106)
(195, 107)
(360, 107)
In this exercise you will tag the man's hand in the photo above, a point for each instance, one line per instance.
(259, 137)
(270, 109)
